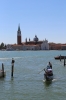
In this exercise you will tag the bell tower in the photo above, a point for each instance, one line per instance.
(19, 36)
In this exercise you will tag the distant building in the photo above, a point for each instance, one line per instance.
(19, 36)
(31, 47)
(9, 48)
(54, 46)
(28, 45)
(63, 47)
(45, 45)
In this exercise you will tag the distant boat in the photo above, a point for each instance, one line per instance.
(59, 57)
(1, 73)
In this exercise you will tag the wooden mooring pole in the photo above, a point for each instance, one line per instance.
(60, 57)
(64, 61)
(12, 68)
(3, 69)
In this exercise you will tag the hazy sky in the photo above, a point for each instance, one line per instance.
(44, 18)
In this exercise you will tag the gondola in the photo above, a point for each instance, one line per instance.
(48, 75)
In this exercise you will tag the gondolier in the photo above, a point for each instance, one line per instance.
(49, 65)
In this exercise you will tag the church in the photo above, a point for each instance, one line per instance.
(28, 45)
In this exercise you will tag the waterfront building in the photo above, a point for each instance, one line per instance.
(28, 45)
(9, 47)
(31, 47)
(63, 47)
(54, 46)
(45, 45)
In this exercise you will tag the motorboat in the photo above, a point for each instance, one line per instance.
(59, 57)
(48, 75)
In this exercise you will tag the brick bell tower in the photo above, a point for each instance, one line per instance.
(19, 36)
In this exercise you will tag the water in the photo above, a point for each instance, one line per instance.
(28, 83)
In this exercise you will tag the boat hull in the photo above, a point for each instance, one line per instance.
(59, 57)
(48, 78)
(1, 74)
(48, 75)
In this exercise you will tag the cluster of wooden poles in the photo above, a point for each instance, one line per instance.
(64, 60)
(12, 69)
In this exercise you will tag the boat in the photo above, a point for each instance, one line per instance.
(48, 75)
(1, 74)
(60, 57)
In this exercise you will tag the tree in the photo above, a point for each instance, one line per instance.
(5, 46)
(2, 45)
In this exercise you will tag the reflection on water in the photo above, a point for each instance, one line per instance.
(48, 83)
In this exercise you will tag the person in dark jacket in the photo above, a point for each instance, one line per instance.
(50, 65)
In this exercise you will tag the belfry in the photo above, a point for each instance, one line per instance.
(19, 36)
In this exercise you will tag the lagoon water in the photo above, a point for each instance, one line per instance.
(28, 83)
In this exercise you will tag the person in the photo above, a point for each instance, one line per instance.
(48, 70)
(50, 65)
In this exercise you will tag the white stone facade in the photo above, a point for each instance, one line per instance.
(45, 45)
(9, 48)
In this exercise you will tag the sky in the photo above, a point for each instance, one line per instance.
(44, 18)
